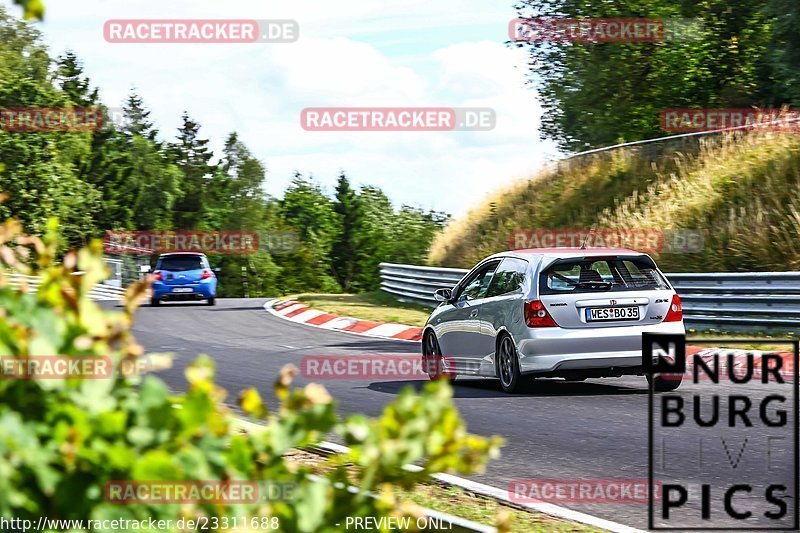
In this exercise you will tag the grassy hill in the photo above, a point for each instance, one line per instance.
(740, 190)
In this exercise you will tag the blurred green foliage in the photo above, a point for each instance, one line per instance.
(62, 440)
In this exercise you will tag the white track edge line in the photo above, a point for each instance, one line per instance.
(495, 493)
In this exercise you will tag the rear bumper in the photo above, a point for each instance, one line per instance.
(557, 350)
(199, 292)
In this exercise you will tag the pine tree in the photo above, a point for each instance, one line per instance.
(137, 118)
(347, 252)
(69, 77)
(192, 156)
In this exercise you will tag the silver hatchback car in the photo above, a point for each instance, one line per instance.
(558, 312)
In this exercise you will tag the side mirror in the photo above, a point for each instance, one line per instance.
(218, 269)
(443, 295)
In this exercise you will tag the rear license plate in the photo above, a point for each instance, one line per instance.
(594, 314)
(183, 289)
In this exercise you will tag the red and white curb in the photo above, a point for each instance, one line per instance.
(301, 313)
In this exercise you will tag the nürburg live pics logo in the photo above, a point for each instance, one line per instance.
(723, 447)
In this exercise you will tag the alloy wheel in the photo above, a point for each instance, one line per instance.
(507, 361)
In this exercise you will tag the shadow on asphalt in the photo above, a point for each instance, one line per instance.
(490, 388)
(239, 308)
(165, 305)
(370, 346)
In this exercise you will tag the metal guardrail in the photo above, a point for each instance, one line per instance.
(718, 300)
(101, 291)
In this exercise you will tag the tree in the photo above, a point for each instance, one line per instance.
(105, 163)
(121, 177)
(237, 187)
(412, 234)
(782, 52)
(137, 118)
(107, 168)
(306, 210)
(39, 170)
(597, 94)
(347, 251)
(192, 156)
(379, 218)
(235, 200)
(156, 181)
(70, 79)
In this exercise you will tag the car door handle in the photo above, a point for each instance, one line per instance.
(473, 314)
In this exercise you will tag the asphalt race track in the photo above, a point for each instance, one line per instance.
(561, 430)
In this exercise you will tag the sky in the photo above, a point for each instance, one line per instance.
(414, 53)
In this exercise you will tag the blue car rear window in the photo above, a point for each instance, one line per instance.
(180, 264)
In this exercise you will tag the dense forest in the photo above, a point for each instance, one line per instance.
(129, 175)
(740, 54)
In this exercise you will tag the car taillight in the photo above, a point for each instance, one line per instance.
(157, 276)
(206, 274)
(675, 313)
(536, 316)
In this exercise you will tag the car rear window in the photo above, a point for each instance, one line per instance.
(601, 275)
(179, 264)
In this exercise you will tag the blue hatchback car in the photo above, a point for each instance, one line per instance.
(183, 276)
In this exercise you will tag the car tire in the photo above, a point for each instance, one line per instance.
(154, 302)
(662, 384)
(508, 365)
(431, 349)
(211, 301)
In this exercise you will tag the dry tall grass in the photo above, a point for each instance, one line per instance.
(740, 190)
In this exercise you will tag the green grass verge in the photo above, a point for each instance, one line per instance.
(377, 306)
(765, 340)
(458, 502)
(739, 190)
